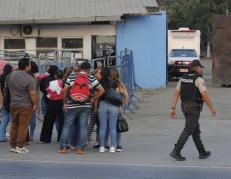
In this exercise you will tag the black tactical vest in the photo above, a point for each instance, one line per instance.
(189, 92)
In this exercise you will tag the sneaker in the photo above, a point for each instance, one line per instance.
(80, 151)
(64, 150)
(102, 149)
(204, 155)
(107, 147)
(21, 150)
(112, 150)
(119, 149)
(13, 150)
(96, 146)
(41, 142)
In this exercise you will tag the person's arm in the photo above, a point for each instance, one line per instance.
(97, 87)
(125, 94)
(34, 98)
(100, 91)
(174, 102)
(33, 93)
(96, 104)
(200, 83)
(207, 100)
(65, 91)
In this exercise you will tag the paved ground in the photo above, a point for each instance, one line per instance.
(146, 146)
(29, 170)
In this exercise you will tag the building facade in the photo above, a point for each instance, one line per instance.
(88, 29)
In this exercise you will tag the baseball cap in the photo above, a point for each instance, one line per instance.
(196, 63)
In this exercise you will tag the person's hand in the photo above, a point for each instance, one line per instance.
(65, 107)
(92, 100)
(213, 111)
(173, 113)
(39, 111)
(121, 110)
(35, 107)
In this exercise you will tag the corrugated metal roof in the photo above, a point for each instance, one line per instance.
(38, 11)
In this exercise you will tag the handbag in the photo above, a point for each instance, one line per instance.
(122, 125)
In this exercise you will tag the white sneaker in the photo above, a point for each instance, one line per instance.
(13, 150)
(119, 149)
(22, 150)
(102, 149)
(112, 150)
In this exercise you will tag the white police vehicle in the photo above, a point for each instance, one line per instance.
(179, 61)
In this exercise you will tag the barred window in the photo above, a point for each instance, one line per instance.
(14, 43)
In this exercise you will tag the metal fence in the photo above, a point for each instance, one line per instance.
(128, 78)
(64, 59)
(60, 58)
(126, 68)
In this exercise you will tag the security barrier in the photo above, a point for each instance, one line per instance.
(64, 59)
(128, 78)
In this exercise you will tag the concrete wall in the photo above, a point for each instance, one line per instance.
(146, 37)
(61, 31)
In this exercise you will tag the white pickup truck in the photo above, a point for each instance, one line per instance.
(183, 48)
(179, 61)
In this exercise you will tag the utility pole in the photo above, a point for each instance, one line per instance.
(227, 7)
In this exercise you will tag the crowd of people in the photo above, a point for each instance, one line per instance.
(74, 100)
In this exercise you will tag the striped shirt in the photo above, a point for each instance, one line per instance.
(93, 84)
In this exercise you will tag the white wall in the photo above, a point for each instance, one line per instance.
(60, 31)
(30, 44)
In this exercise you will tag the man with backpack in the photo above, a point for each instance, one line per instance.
(77, 105)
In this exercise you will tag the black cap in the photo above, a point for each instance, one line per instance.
(196, 63)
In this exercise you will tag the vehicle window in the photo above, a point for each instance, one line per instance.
(183, 53)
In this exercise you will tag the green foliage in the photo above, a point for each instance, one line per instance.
(195, 14)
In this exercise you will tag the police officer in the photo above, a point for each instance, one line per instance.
(193, 93)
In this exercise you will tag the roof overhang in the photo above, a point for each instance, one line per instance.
(60, 20)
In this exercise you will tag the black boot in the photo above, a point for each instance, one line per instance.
(177, 155)
(204, 155)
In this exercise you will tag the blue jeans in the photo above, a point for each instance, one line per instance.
(118, 138)
(6, 118)
(108, 116)
(32, 125)
(81, 116)
(74, 134)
